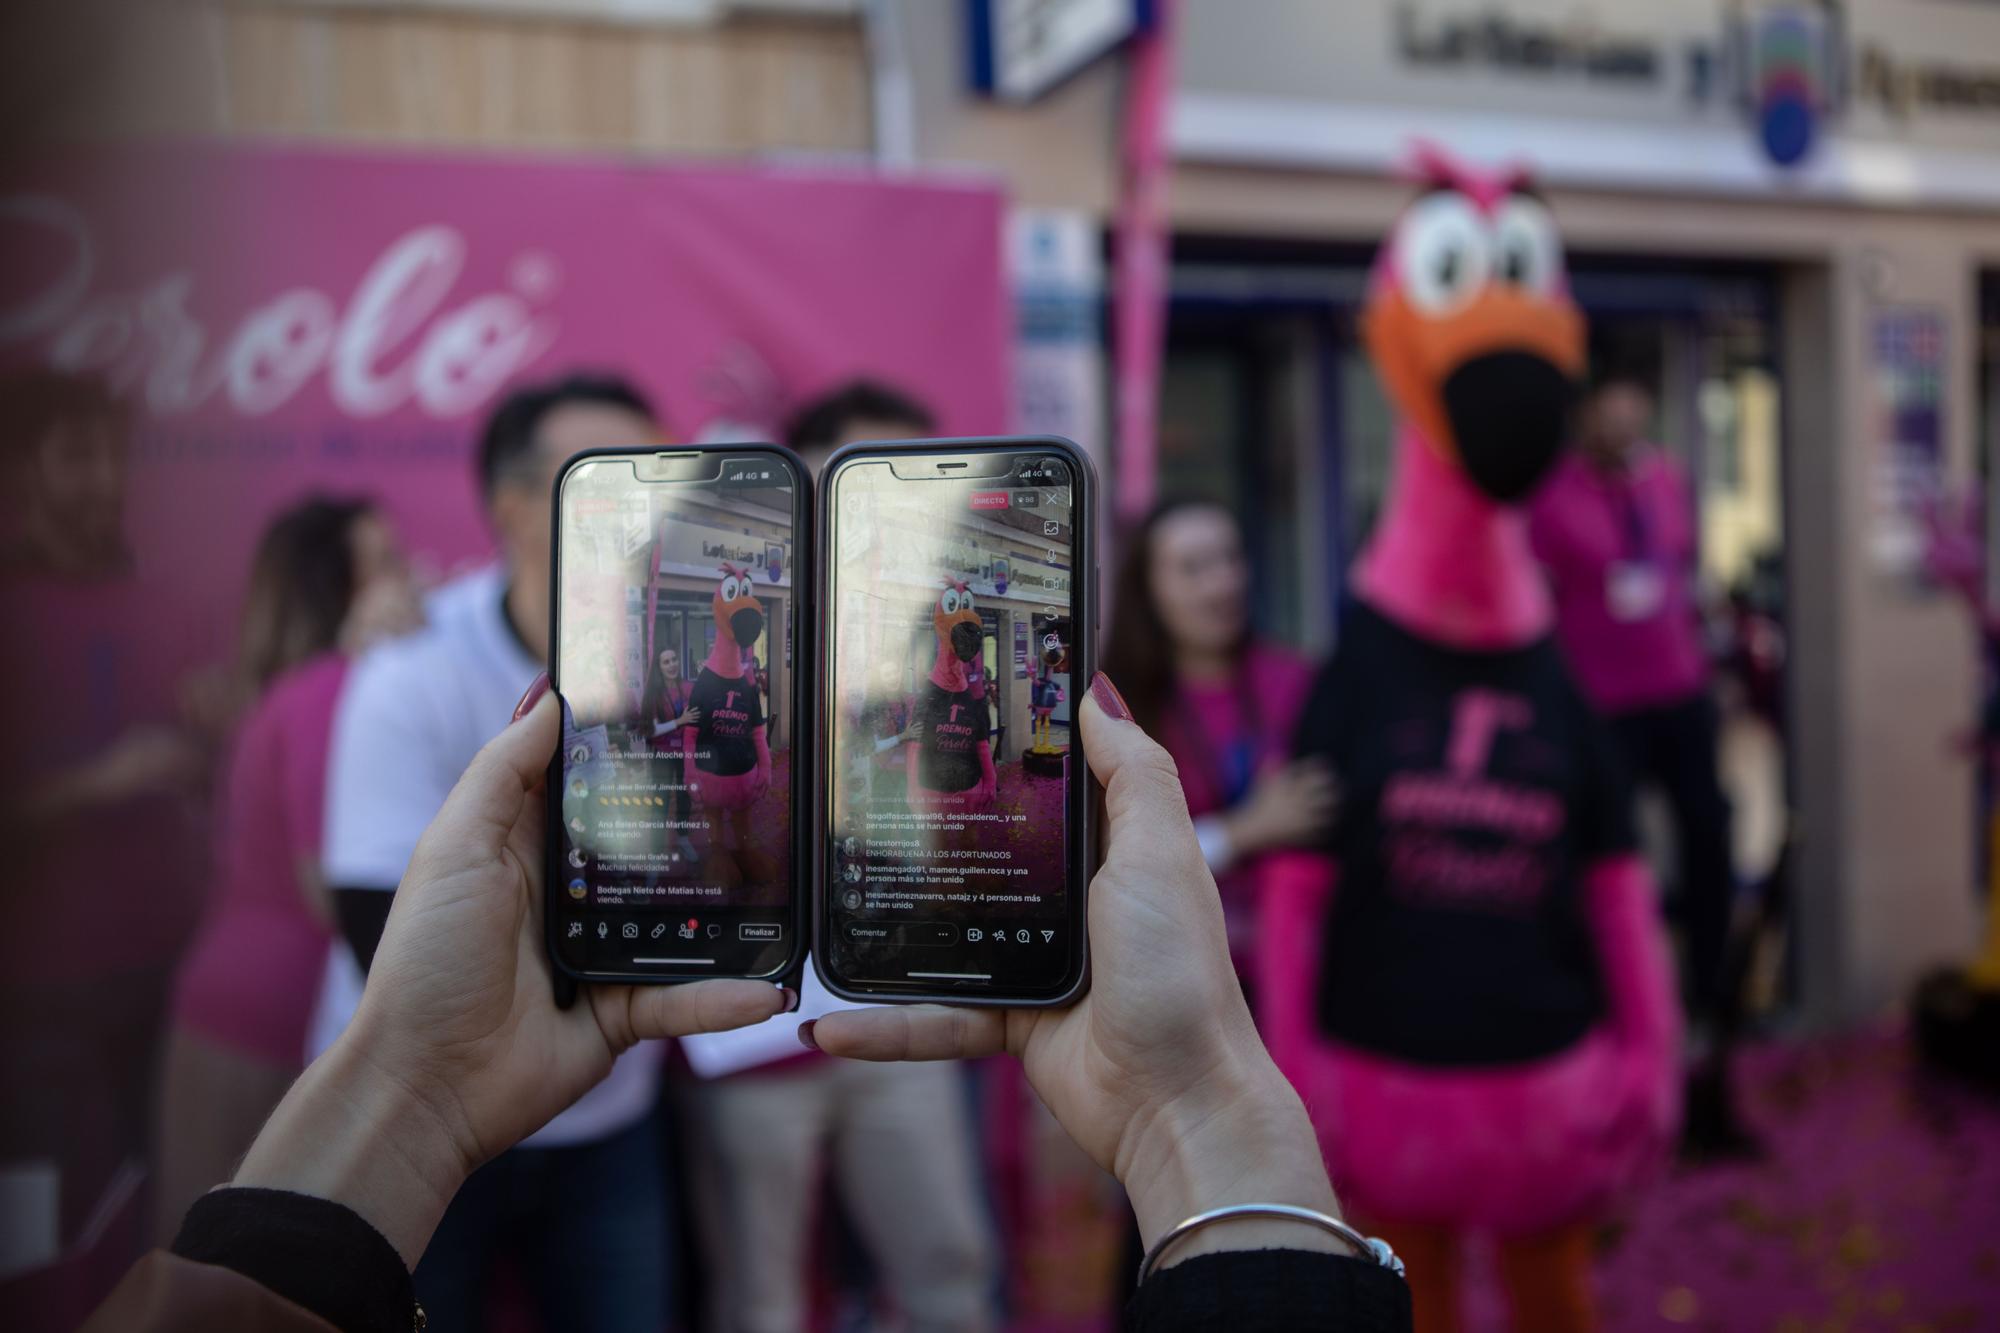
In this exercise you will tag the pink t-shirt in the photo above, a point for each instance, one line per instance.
(1620, 552)
(253, 974)
(115, 888)
(1222, 735)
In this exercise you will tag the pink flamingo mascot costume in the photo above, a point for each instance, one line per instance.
(1474, 996)
(729, 748)
(950, 766)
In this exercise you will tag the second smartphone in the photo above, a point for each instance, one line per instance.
(681, 653)
(957, 582)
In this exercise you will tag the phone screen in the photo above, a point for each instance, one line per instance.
(952, 827)
(677, 618)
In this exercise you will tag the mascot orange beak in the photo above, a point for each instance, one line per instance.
(1487, 373)
(736, 607)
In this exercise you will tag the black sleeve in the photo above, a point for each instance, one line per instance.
(362, 914)
(1272, 1291)
(1315, 735)
(1608, 822)
(313, 1252)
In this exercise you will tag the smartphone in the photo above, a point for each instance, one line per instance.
(957, 610)
(676, 833)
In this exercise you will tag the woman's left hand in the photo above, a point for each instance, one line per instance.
(458, 1050)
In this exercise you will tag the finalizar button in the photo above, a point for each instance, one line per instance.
(760, 930)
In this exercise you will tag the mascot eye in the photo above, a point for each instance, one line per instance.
(950, 601)
(1443, 251)
(730, 588)
(1526, 250)
(965, 601)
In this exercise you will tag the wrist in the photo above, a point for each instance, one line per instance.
(1245, 833)
(350, 1133)
(1241, 1137)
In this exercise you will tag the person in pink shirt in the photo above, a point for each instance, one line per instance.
(1223, 702)
(1615, 530)
(329, 579)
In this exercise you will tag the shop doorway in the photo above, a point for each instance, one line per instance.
(1269, 405)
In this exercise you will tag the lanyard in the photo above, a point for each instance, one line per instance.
(1641, 547)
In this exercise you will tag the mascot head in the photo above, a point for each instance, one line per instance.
(737, 608)
(956, 624)
(1471, 327)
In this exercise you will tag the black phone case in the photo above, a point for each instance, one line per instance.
(1082, 802)
(806, 720)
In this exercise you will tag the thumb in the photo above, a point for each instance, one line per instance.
(1142, 787)
(487, 801)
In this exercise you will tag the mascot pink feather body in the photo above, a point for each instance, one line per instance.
(1474, 996)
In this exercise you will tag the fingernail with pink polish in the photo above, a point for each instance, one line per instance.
(791, 1000)
(806, 1038)
(1108, 698)
(532, 697)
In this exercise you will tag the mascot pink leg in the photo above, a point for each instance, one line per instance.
(1473, 997)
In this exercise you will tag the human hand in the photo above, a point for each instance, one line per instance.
(1157, 1072)
(1288, 806)
(458, 1051)
(690, 717)
(143, 761)
(913, 732)
(383, 609)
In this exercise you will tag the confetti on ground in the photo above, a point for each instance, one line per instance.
(1876, 1208)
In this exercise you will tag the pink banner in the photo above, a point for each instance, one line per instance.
(284, 319)
(1140, 256)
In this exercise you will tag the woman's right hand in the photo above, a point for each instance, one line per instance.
(1288, 806)
(1157, 1072)
(690, 717)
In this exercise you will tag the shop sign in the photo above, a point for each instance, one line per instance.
(1906, 356)
(1022, 48)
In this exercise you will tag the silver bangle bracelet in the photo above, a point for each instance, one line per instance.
(1364, 1247)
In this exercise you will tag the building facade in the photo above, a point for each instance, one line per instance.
(1786, 216)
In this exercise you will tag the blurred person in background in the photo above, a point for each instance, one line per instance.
(582, 1204)
(1615, 529)
(860, 409)
(329, 579)
(100, 779)
(897, 1140)
(1224, 702)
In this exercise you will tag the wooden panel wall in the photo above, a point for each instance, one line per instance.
(495, 80)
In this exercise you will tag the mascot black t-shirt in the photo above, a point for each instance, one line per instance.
(954, 724)
(1476, 787)
(731, 712)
